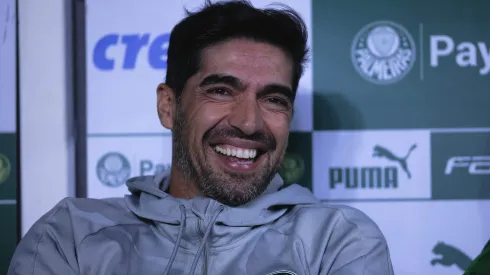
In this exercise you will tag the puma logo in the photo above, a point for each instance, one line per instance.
(450, 255)
(379, 151)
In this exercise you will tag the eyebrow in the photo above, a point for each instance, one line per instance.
(222, 79)
(236, 83)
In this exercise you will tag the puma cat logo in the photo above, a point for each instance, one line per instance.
(382, 152)
(450, 255)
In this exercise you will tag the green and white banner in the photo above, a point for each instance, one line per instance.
(392, 115)
(8, 137)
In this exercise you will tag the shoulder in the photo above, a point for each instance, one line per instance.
(348, 239)
(109, 211)
(341, 218)
(53, 240)
(79, 205)
(350, 216)
(83, 216)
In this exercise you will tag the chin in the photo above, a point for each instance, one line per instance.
(233, 192)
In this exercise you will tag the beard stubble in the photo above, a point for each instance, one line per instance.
(232, 189)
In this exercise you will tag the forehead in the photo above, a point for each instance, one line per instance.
(252, 62)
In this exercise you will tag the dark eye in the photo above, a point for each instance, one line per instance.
(219, 91)
(277, 100)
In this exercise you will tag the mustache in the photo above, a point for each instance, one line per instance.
(232, 132)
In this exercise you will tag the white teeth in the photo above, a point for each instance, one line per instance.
(239, 153)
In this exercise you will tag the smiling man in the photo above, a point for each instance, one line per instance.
(233, 72)
(230, 122)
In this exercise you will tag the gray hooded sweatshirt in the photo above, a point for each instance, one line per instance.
(284, 231)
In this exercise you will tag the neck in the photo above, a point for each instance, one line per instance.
(180, 187)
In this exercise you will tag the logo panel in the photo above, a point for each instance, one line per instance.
(297, 164)
(113, 160)
(134, 46)
(447, 233)
(8, 166)
(448, 255)
(126, 58)
(5, 168)
(352, 165)
(292, 168)
(383, 52)
(8, 65)
(461, 165)
(113, 169)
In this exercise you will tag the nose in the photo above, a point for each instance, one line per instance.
(246, 115)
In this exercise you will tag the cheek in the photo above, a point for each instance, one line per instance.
(279, 127)
(210, 114)
(204, 118)
(279, 124)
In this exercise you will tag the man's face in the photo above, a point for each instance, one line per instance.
(232, 123)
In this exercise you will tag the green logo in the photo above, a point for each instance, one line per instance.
(113, 169)
(4, 168)
(450, 255)
(292, 168)
(382, 152)
(383, 52)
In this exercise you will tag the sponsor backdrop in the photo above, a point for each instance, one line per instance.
(392, 116)
(8, 137)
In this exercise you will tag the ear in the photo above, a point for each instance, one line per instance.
(166, 105)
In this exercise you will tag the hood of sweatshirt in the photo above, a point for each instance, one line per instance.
(148, 200)
(201, 223)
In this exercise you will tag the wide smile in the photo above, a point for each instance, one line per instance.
(238, 158)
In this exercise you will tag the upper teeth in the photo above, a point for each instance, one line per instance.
(237, 152)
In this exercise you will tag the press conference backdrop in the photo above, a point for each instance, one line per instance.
(392, 115)
(8, 136)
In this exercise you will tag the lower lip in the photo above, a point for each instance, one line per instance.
(235, 165)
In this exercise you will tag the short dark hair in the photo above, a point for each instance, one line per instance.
(222, 21)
